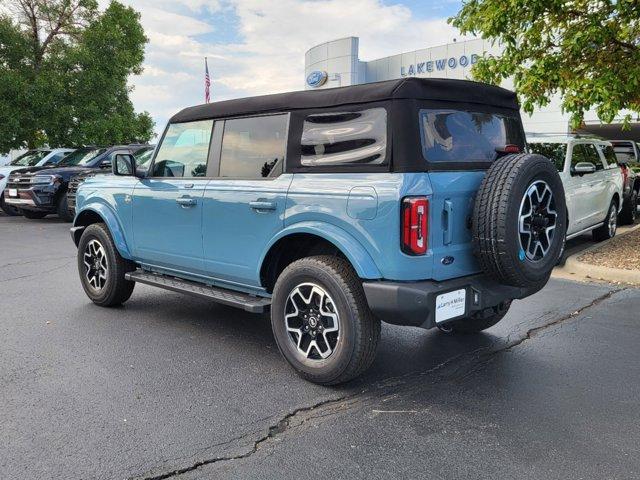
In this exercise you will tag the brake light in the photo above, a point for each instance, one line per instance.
(511, 149)
(415, 214)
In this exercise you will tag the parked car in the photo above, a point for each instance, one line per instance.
(142, 156)
(592, 182)
(404, 201)
(628, 155)
(41, 157)
(40, 191)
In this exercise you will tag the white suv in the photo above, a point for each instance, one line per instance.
(592, 182)
(32, 158)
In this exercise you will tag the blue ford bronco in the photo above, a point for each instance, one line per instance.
(411, 202)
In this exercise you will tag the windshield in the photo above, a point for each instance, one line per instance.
(30, 158)
(463, 136)
(82, 156)
(143, 156)
(556, 152)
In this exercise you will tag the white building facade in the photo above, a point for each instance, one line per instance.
(337, 63)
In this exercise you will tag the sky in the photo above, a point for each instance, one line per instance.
(257, 47)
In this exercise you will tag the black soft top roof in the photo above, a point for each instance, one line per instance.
(437, 89)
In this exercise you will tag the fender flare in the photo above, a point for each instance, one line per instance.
(112, 222)
(351, 248)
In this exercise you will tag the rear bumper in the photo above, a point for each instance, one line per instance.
(413, 303)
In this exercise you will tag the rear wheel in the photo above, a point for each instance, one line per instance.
(321, 321)
(610, 225)
(33, 215)
(487, 318)
(8, 209)
(62, 208)
(102, 269)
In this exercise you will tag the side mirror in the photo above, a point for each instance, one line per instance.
(583, 168)
(124, 165)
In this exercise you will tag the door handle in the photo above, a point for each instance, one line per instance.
(262, 205)
(447, 217)
(186, 202)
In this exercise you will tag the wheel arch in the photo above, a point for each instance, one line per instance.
(313, 238)
(99, 213)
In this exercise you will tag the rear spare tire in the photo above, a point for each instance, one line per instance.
(519, 220)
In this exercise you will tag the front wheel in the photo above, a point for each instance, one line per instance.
(487, 318)
(321, 320)
(8, 209)
(63, 208)
(102, 269)
(609, 226)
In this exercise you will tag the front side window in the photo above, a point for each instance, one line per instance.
(143, 156)
(30, 158)
(586, 152)
(184, 150)
(254, 147)
(556, 152)
(345, 138)
(463, 136)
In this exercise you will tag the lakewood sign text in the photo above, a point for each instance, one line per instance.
(440, 64)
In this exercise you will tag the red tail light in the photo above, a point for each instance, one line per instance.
(625, 174)
(415, 231)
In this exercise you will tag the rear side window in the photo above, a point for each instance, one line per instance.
(184, 150)
(464, 136)
(345, 138)
(254, 147)
(609, 155)
(556, 152)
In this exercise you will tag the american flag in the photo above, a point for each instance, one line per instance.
(207, 82)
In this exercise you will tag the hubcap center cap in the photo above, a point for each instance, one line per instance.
(313, 322)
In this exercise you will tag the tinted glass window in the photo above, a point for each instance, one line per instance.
(556, 152)
(345, 138)
(82, 156)
(584, 152)
(254, 147)
(461, 136)
(30, 158)
(184, 150)
(609, 155)
(625, 151)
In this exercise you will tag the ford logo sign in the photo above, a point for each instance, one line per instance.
(317, 79)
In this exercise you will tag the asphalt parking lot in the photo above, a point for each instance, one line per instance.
(170, 386)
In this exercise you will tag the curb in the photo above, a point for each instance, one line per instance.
(596, 272)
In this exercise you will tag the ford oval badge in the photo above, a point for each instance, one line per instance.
(447, 260)
(317, 79)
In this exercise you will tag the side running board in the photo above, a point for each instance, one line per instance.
(249, 303)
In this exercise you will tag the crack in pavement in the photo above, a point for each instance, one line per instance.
(43, 272)
(330, 407)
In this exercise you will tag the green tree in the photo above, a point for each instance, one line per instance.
(64, 67)
(586, 50)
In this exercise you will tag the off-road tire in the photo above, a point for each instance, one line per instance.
(31, 215)
(629, 210)
(480, 321)
(496, 215)
(8, 209)
(62, 208)
(359, 328)
(116, 290)
(603, 232)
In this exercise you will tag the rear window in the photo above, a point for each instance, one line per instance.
(465, 136)
(345, 138)
(556, 152)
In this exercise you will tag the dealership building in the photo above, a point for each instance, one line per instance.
(337, 63)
